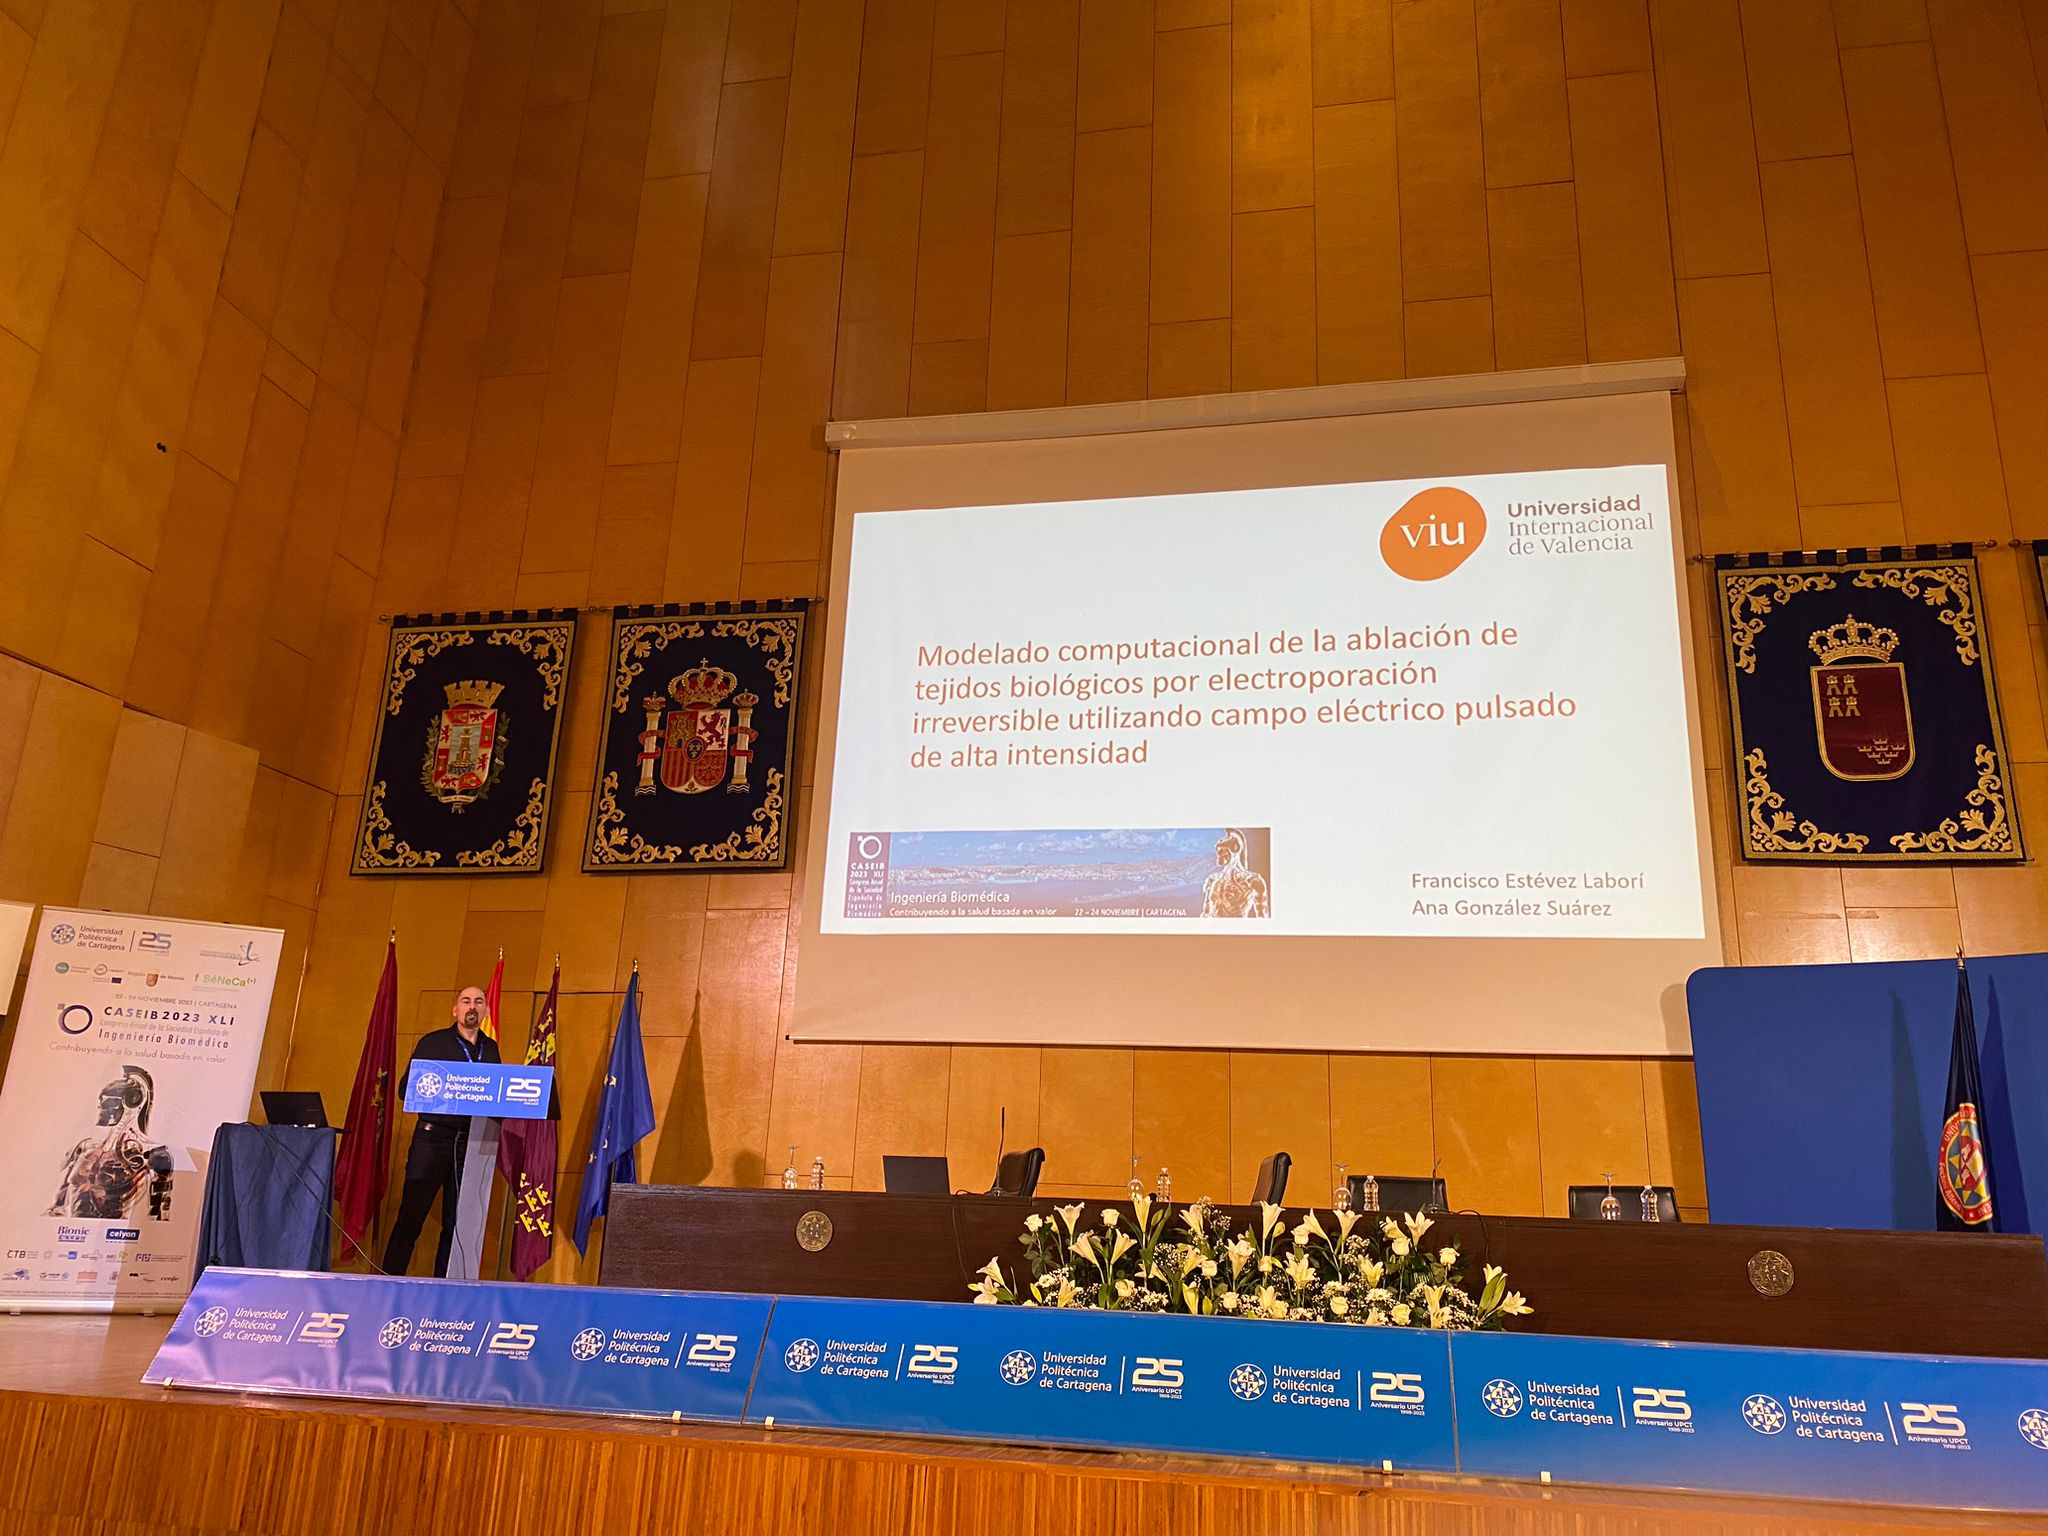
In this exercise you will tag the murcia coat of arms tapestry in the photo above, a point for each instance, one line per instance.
(697, 760)
(464, 752)
(1864, 716)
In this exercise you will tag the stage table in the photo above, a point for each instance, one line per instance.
(1902, 1292)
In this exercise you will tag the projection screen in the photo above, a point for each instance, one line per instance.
(1358, 732)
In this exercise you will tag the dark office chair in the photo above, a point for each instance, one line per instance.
(1272, 1180)
(1400, 1193)
(1583, 1200)
(1017, 1172)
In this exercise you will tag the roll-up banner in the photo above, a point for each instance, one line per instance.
(138, 1037)
(15, 917)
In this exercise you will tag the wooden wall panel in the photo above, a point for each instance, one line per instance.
(451, 302)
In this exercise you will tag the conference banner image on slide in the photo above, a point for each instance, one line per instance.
(138, 1037)
(1397, 709)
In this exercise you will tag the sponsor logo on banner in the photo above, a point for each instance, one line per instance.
(153, 943)
(1934, 1424)
(514, 1341)
(2033, 1426)
(1017, 1367)
(713, 1351)
(1503, 1399)
(1248, 1382)
(524, 1091)
(1400, 1390)
(124, 1234)
(323, 1328)
(939, 1363)
(1159, 1375)
(801, 1356)
(1666, 1406)
(395, 1334)
(428, 1084)
(63, 933)
(588, 1344)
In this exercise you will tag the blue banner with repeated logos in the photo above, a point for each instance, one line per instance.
(1809, 1423)
(1805, 1423)
(584, 1349)
(1204, 1384)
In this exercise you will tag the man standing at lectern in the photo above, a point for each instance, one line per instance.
(433, 1163)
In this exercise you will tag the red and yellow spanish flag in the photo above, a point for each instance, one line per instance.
(491, 995)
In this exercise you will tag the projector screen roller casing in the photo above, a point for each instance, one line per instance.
(1303, 540)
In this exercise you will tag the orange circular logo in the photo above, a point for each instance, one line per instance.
(1433, 534)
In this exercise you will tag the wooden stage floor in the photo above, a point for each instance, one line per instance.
(86, 1449)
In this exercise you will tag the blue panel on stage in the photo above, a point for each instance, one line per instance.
(510, 1091)
(584, 1348)
(1881, 1428)
(1820, 1088)
(1877, 1428)
(1303, 1392)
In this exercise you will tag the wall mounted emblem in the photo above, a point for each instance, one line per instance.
(696, 766)
(1864, 714)
(463, 760)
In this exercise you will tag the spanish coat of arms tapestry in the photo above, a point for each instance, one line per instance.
(463, 756)
(697, 754)
(1864, 716)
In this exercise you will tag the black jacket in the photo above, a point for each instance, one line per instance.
(445, 1044)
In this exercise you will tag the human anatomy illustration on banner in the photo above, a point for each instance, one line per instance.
(137, 1038)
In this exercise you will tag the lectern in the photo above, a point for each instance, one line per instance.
(488, 1093)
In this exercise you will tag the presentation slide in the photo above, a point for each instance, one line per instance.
(1452, 707)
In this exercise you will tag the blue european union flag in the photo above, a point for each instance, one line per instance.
(624, 1114)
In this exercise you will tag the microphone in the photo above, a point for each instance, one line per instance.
(1002, 1137)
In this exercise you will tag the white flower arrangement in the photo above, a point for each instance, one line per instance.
(1358, 1274)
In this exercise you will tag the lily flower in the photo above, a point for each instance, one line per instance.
(1389, 1226)
(1194, 1216)
(1346, 1220)
(1299, 1272)
(1370, 1271)
(1309, 1227)
(1142, 1204)
(1269, 1218)
(1122, 1245)
(1512, 1305)
(1084, 1248)
(1492, 1272)
(1070, 1214)
(1417, 1224)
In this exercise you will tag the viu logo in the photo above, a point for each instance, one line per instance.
(324, 1328)
(1932, 1421)
(935, 1361)
(1434, 533)
(1397, 1389)
(154, 943)
(513, 1339)
(1662, 1405)
(1160, 1374)
(714, 1350)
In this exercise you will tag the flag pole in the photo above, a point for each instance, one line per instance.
(377, 1219)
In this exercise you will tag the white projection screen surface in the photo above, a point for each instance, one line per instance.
(1368, 733)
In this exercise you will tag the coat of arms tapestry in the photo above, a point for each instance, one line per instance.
(464, 753)
(1865, 720)
(697, 758)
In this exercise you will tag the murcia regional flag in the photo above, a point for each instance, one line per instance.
(1962, 1167)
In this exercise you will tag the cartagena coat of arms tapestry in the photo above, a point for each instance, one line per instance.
(464, 754)
(1865, 718)
(696, 767)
